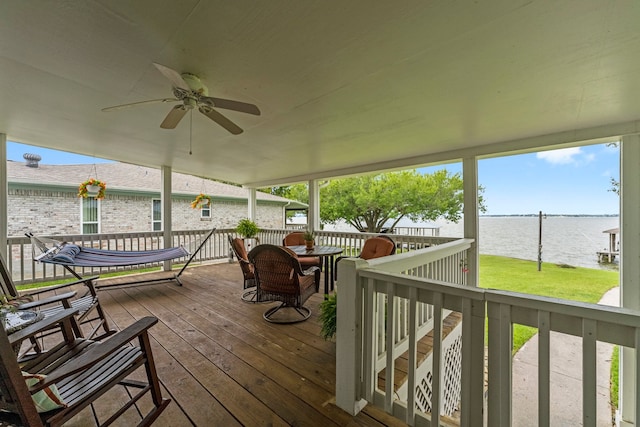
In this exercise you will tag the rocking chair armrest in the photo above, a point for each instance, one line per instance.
(56, 298)
(43, 325)
(98, 351)
(87, 280)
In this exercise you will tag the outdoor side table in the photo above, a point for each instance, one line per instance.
(327, 253)
(13, 321)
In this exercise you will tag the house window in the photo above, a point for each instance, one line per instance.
(205, 211)
(156, 214)
(90, 216)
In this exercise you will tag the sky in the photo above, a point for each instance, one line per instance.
(567, 181)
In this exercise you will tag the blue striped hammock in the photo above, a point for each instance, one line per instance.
(79, 256)
(69, 255)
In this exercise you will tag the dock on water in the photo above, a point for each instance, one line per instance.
(614, 250)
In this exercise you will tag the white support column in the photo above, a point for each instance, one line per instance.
(313, 216)
(4, 195)
(165, 197)
(252, 205)
(349, 338)
(471, 217)
(629, 268)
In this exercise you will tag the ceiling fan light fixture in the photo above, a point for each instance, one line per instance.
(190, 103)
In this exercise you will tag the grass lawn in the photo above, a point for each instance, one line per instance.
(558, 281)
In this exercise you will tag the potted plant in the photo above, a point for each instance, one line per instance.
(248, 230)
(308, 239)
(200, 201)
(92, 188)
(328, 316)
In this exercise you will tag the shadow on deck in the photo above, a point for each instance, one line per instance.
(223, 365)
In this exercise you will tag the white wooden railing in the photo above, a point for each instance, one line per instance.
(407, 280)
(591, 322)
(410, 280)
(25, 270)
(352, 242)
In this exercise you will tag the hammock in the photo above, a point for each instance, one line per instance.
(79, 256)
(69, 256)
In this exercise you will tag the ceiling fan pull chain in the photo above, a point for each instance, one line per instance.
(190, 129)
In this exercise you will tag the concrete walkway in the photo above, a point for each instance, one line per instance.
(566, 379)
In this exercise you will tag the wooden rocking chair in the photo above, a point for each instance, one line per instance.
(88, 306)
(54, 387)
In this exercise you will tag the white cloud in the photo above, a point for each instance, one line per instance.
(564, 156)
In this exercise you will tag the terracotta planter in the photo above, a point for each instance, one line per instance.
(308, 244)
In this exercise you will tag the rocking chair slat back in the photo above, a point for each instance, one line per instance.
(82, 370)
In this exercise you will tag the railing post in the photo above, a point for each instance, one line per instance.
(348, 338)
(472, 392)
(500, 345)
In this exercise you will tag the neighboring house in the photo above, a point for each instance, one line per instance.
(43, 199)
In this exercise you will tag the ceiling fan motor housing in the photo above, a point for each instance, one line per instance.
(195, 84)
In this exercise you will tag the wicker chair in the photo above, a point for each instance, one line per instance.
(296, 238)
(374, 247)
(280, 277)
(237, 246)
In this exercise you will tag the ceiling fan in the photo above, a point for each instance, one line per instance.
(192, 93)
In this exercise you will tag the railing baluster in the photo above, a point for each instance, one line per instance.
(372, 342)
(390, 341)
(589, 391)
(436, 370)
(637, 360)
(544, 368)
(413, 355)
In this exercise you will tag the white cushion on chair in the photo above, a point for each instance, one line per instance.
(46, 399)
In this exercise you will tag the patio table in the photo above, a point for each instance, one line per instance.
(327, 253)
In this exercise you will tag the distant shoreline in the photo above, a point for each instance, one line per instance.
(554, 215)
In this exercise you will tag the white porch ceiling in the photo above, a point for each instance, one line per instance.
(343, 86)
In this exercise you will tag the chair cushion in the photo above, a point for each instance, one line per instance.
(18, 301)
(376, 247)
(294, 239)
(238, 247)
(309, 261)
(67, 254)
(46, 399)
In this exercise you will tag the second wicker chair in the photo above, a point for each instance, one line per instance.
(279, 277)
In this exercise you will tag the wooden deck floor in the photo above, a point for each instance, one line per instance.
(223, 365)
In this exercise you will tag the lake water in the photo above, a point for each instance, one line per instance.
(565, 240)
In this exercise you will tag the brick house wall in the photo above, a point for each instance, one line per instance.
(51, 212)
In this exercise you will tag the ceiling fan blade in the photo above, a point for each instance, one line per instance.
(229, 104)
(221, 120)
(174, 76)
(135, 104)
(173, 118)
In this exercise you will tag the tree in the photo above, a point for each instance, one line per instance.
(615, 184)
(299, 192)
(372, 202)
